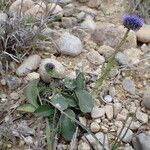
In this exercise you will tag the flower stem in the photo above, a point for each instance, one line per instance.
(111, 61)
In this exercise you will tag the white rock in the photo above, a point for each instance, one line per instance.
(69, 44)
(109, 111)
(133, 55)
(95, 58)
(143, 35)
(37, 10)
(29, 64)
(83, 120)
(32, 76)
(55, 9)
(142, 117)
(135, 125)
(106, 51)
(128, 137)
(88, 24)
(117, 108)
(3, 17)
(14, 96)
(101, 137)
(59, 69)
(95, 127)
(122, 115)
(84, 146)
(94, 3)
(17, 5)
(97, 112)
(128, 85)
(108, 99)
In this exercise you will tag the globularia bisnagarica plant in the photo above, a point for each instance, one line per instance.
(63, 100)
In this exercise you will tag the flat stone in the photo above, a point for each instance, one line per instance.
(95, 58)
(142, 142)
(69, 44)
(88, 24)
(94, 3)
(97, 112)
(106, 51)
(32, 76)
(128, 137)
(59, 69)
(16, 5)
(142, 117)
(128, 85)
(121, 59)
(30, 64)
(146, 97)
(122, 115)
(109, 111)
(133, 55)
(143, 35)
(117, 108)
(101, 137)
(95, 127)
(109, 34)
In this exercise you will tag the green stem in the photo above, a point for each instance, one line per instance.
(48, 133)
(111, 62)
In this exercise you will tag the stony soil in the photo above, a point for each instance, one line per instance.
(126, 90)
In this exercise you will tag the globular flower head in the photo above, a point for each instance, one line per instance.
(133, 22)
(49, 66)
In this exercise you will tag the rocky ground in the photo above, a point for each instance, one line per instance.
(83, 37)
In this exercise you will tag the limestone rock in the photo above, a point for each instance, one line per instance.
(106, 51)
(17, 5)
(128, 85)
(29, 64)
(109, 34)
(69, 44)
(95, 58)
(143, 35)
(97, 112)
(59, 69)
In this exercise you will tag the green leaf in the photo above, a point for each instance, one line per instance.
(67, 126)
(31, 93)
(27, 108)
(70, 83)
(85, 101)
(80, 81)
(44, 111)
(52, 73)
(71, 101)
(59, 101)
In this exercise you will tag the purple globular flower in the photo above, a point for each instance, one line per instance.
(133, 22)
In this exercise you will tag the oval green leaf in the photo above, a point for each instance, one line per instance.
(31, 93)
(44, 111)
(67, 126)
(59, 101)
(85, 101)
(26, 108)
